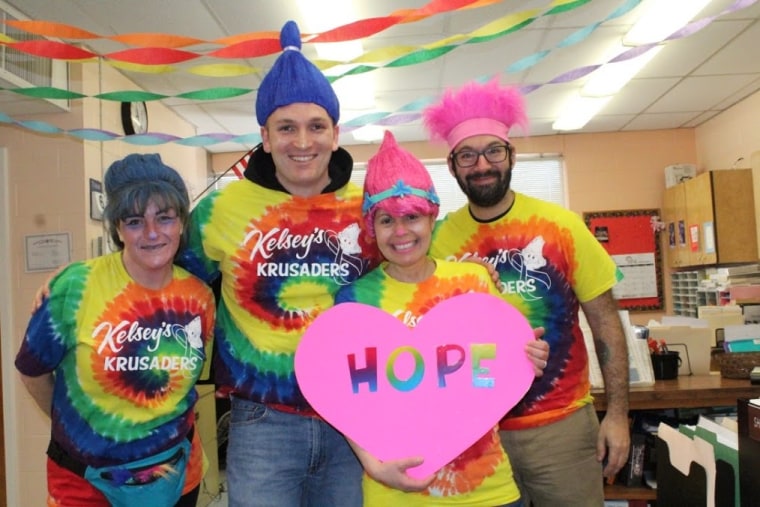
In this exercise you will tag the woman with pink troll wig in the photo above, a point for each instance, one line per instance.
(400, 207)
(549, 266)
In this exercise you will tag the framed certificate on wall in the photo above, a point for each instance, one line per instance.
(46, 252)
(97, 200)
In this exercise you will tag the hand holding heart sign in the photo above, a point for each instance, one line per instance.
(429, 391)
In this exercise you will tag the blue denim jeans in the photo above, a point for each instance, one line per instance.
(277, 459)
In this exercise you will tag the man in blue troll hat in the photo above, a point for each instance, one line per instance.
(283, 240)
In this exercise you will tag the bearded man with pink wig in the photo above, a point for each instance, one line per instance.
(550, 266)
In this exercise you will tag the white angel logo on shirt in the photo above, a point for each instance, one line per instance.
(347, 250)
(528, 262)
(349, 239)
(533, 258)
(191, 336)
(193, 332)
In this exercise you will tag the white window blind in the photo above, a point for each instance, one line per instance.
(540, 176)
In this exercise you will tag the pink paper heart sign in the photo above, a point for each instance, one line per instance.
(430, 391)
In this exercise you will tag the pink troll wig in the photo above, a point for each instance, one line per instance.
(397, 183)
(475, 109)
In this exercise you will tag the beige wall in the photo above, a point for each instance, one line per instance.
(48, 192)
(731, 136)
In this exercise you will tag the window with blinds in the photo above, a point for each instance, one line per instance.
(540, 176)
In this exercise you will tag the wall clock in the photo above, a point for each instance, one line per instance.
(134, 117)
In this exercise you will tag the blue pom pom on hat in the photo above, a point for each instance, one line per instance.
(293, 78)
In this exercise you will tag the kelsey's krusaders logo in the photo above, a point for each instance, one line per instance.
(142, 343)
(339, 255)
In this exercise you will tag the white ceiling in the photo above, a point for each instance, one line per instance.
(691, 80)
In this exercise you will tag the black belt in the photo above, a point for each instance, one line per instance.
(63, 459)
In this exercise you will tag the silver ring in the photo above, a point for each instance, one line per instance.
(545, 363)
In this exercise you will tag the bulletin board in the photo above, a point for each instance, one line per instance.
(631, 241)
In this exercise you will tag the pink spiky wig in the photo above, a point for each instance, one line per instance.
(475, 109)
(398, 183)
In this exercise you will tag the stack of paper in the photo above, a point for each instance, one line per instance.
(639, 363)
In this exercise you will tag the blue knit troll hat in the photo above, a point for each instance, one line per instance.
(293, 79)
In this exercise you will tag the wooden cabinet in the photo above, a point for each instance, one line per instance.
(674, 216)
(710, 219)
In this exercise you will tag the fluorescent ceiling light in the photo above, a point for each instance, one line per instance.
(578, 111)
(369, 133)
(661, 18)
(339, 51)
(320, 16)
(355, 92)
(610, 78)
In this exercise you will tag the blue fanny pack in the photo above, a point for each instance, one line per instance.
(156, 481)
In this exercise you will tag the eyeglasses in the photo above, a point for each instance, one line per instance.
(493, 154)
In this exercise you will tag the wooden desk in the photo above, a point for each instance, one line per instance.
(685, 392)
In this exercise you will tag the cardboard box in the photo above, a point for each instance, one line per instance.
(748, 293)
(751, 314)
(718, 318)
(692, 343)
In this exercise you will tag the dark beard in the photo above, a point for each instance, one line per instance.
(486, 196)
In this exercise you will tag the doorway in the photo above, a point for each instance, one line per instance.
(7, 398)
(3, 494)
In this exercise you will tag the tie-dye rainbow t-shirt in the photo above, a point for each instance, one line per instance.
(482, 475)
(548, 262)
(125, 359)
(281, 259)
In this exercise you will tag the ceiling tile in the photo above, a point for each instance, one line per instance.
(690, 80)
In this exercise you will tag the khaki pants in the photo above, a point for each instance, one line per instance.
(555, 465)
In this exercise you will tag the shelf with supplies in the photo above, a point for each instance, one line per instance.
(684, 392)
(684, 285)
(714, 286)
(713, 297)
